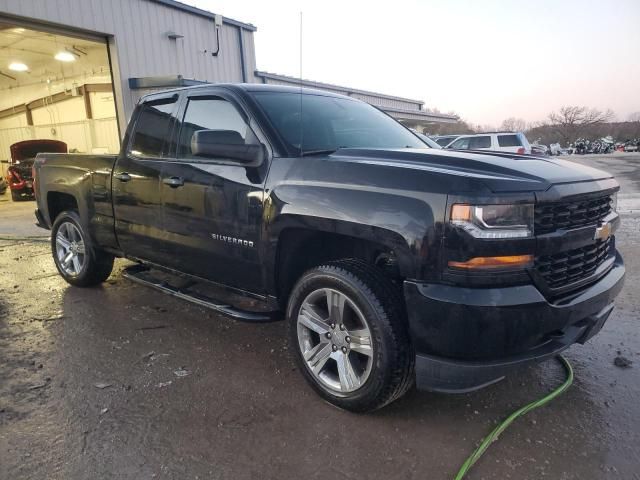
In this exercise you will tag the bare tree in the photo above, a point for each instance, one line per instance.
(513, 124)
(460, 127)
(571, 121)
(484, 128)
(537, 124)
(634, 117)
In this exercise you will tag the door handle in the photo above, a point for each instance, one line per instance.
(173, 182)
(123, 177)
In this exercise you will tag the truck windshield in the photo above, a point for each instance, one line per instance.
(321, 124)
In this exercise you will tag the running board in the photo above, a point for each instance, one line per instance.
(143, 275)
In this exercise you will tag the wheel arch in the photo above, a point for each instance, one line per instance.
(58, 202)
(303, 242)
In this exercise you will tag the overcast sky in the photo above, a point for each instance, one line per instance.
(485, 59)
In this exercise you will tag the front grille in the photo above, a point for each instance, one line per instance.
(564, 215)
(565, 268)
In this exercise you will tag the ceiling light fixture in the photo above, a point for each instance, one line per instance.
(64, 57)
(18, 67)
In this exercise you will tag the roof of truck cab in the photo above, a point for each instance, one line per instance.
(244, 87)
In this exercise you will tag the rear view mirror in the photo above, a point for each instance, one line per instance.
(226, 145)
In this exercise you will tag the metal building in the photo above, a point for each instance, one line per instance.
(151, 43)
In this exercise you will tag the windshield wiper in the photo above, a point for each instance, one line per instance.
(326, 151)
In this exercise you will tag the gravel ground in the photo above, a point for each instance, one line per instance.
(124, 382)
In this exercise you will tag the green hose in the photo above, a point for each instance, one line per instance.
(489, 439)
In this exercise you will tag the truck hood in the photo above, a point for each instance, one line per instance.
(499, 172)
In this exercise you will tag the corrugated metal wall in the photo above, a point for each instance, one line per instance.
(384, 102)
(137, 37)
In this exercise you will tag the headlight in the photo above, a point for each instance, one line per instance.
(614, 202)
(494, 221)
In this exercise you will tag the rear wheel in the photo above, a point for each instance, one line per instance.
(16, 196)
(348, 329)
(77, 261)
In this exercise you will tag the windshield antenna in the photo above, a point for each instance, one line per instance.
(300, 80)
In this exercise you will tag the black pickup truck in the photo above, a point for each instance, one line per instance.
(392, 263)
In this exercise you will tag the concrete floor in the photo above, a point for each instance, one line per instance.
(17, 218)
(244, 412)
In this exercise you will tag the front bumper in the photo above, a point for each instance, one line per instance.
(467, 338)
(25, 193)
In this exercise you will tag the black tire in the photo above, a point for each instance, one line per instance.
(97, 264)
(382, 305)
(15, 196)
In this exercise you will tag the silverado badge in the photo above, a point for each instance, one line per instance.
(234, 241)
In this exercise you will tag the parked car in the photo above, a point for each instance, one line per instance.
(444, 140)
(537, 149)
(555, 149)
(391, 262)
(632, 146)
(23, 154)
(514, 142)
(426, 140)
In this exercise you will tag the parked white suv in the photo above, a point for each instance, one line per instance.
(514, 142)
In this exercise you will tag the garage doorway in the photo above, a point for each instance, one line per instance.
(54, 87)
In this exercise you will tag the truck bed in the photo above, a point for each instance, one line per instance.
(80, 181)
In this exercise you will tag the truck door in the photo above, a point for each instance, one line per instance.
(136, 181)
(213, 206)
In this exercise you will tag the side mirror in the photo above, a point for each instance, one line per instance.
(226, 145)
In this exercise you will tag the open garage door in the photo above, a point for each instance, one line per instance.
(55, 87)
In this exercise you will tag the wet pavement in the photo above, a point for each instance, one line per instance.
(120, 381)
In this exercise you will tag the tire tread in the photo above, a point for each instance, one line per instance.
(386, 299)
(100, 262)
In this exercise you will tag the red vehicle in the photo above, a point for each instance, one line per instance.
(23, 154)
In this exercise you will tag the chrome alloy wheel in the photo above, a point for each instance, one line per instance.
(335, 341)
(70, 249)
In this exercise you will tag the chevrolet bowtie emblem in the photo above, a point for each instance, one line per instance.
(602, 232)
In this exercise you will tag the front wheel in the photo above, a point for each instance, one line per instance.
(348, 330)
(77, 261)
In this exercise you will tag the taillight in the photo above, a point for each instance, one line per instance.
(15, 176)
(520, 151)
(33, 182)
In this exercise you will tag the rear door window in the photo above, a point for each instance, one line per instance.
(480, 142)
(509, 141)
(152, 132)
